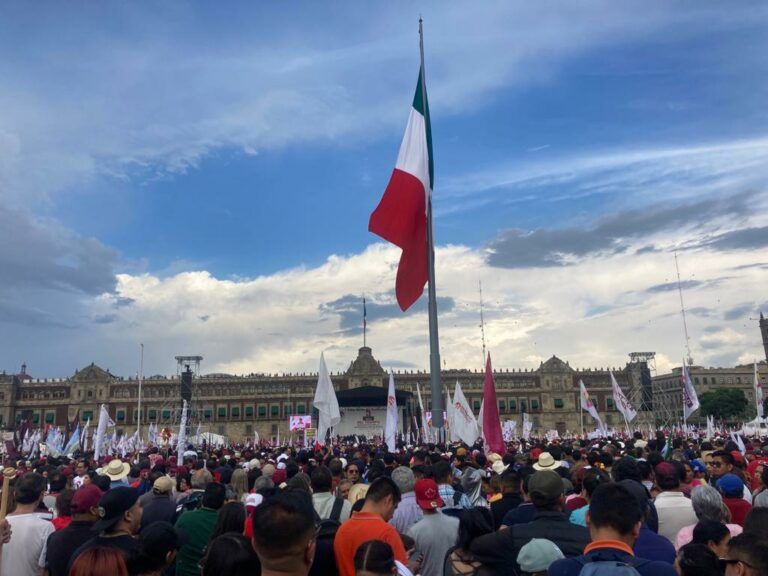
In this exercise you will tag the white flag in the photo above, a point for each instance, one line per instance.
(180, 445)
(758, 393)
(325, 402)
(104, 422)
(425, 428)
(390, 426)
(690, 399)
(463, 419)
(450, 432)
(710, 427)
(589, 406)
(84, 436)
(622, 404)
(527, 426)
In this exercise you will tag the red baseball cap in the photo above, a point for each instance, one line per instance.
(86, 498)
(427, 494)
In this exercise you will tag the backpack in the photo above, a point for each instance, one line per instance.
(609, 567)
(328, 527)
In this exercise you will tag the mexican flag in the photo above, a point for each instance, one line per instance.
(401, 216)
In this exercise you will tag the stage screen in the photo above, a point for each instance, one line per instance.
(366, 421)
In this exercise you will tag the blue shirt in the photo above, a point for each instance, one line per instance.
(651, 546)
(520, 515)
(573, 566)
(446, 492)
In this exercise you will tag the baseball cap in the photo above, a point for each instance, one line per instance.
(546, 484)
(666, 471)
(427, 495)
(159, 538)
(113, 505)
(731, 485)
(162, 485)
(538, 554)
(253, 500)
(86, 498)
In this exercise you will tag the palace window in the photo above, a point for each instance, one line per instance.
(609, 403)
(300, 409)
(166, 414)
(262, 411)
(249, 429)
(221, 412)
(49, 417)
(151, 414)
(208, 413)
(287, 408)
(523, 406)
(534, 404)
(502, 405)
(476, 405)
(274, 429)
(90, 393)
(274, 410)
(512, 405)
(120, 415)
(35, 418)
(235, 412)
(87, 415)
(559, 403)
(249, 411)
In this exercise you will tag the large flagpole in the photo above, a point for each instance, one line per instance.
(434, 341)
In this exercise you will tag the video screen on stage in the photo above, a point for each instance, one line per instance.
(366, 421)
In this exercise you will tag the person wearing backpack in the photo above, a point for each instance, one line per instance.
(327, 506)
(614, 519)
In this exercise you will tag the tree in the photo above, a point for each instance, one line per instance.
(723, 403)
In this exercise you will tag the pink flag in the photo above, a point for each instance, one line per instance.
(494, 441)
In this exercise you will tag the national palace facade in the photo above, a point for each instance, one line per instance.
(238, 406)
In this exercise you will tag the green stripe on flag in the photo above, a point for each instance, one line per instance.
(418, 105)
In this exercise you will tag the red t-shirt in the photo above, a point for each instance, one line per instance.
(361, 527)
(739, 509)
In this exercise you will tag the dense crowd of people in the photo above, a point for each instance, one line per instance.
(563, 508)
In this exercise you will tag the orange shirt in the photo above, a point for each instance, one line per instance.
(361, 527)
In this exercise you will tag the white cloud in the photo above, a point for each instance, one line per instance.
(275, 323)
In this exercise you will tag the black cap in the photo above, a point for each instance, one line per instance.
(159, 538)
(113, 505)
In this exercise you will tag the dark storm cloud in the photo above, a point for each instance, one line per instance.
(548, 247)
(350, 310)
(745, 239)
(35, 254)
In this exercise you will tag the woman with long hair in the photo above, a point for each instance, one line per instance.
(239, 482)
(231, 518)
(230, 554)
(98, 562)
(473, 522)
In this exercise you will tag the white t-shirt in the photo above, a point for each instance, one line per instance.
(24, 555)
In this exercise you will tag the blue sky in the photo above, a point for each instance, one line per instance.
(152, 148)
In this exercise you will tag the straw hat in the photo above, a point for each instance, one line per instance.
(117, 469)
(546, 462)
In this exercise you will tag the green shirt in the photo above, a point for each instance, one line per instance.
(198, 525)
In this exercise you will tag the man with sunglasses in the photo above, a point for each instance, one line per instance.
(747, 556)
(723, 463)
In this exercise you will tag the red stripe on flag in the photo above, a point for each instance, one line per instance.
(401, 218)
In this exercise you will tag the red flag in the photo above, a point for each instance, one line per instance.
(401, 216)
(494, 441)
